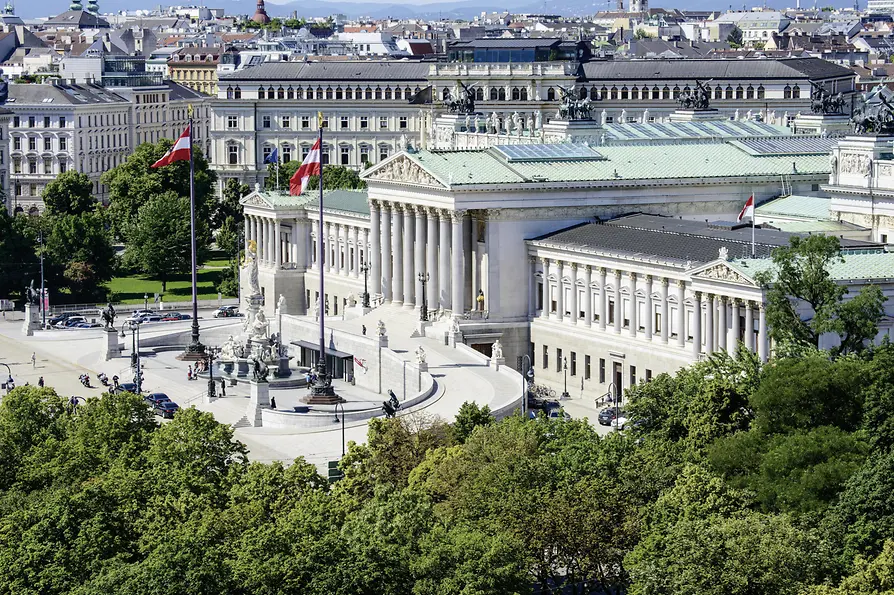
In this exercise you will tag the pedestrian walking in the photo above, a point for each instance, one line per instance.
(364, 329)
(273, 402)
(223, 387)
(40, 382)
(189, 373)
(33, 359)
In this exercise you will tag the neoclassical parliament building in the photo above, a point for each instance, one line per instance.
(609, 261)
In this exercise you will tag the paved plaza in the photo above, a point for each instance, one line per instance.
(61, 356)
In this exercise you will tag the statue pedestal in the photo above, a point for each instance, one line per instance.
(282, 367)
(32, 314)
(423, 366)
(110, 346)
(383, 341)
(241, 367)
(691, 115)
(573, 131)
(831, 125)
(496, 362)
(421, 325)
(258, 400)
(454, 338)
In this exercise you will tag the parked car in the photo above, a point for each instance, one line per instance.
(227, 312)
(166, 408)
(88, 325)
(70, 322)
(558, 414)
(61, 318)
(620, 423)
(607, 415)
(125, 387)
(155, 398)
(140, 313)
(149, 318)
(170, 316)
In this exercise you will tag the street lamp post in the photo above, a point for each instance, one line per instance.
(565, 394)
(527, 380)
(145, 301)
(364, 267)
(337, 405)
(423, 314)
(135, 355)
(210, 353)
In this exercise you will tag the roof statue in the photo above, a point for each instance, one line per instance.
(572, 108)
(698, 99)
(464, 102)
(823, 102)
(874, 113)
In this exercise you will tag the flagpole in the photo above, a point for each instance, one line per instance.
(277, 166)
(195, 347)
(753, 212)
(320, 258)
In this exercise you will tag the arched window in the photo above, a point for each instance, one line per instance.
(328, 92)
(493, 94)
(229, 92)
(666, 92)
(368, 94)
(339, 94)
(501, 94)
(378, 92)
(594, 94)
(676, 93)
(387, 92)
(398, 93)
(445, 95)
(479, 94)
(749, 92)
(761, 92)
(796, 92)
(740, 92)
(634, 93)
(613, 93)
(290, 93)
(625, 93)
(656, 93)
(718, 92)
(729, 92)
(603, 92)
(550, 94)
(515, 94)
(319, 92)
(582, 93)
(261, 93)
(524, 94)
(280, 93)
(271, 94)
(349, 93)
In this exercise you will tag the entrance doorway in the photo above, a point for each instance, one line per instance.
(484, 348)
(618, 378)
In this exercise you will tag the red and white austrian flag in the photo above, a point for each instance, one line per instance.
(747, 210)
(179, 152)
(309, 167)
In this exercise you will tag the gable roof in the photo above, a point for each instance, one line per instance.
(761, 69)
(333, 71)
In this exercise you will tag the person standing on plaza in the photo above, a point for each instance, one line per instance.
(33, 359)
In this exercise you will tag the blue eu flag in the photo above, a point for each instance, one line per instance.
(273, 157)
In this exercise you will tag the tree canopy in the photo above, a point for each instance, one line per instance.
(335, 177)
(71, 193)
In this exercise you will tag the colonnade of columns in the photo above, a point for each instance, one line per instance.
(723, 315)
(274, 248)
(406, 240)
(345, 248)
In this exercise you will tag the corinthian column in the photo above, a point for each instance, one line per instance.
(385, 280)
(419, 255)
(409, 268)
(431, 259)
(458, 281)
(374, 256)
(397, 254)
(444, 293)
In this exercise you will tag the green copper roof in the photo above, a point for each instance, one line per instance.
(871, 265)
(350, 201)
(283, 199)
(642, 162)
(812, 207)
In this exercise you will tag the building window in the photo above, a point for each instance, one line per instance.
(47, 144)
(32, 143)
(324, 156)
(611, 311)
(265, 122)
(63, 167)
(648, 375)
(364, 154)
(572, 369)
(625, 93)
(586, 367)
(287, 122)
(344, 122)
(364, 122)
(232, 122)
(601, 371)
(32, 166)
(729, 92)
(266, 152)
(237, 93)
(749, 92)
(383, 122)
(16, 143)
(740, 92)
(232, 154)
(545, 357)
(402, 123)
(718, 92)
(305, 122)
(16, 122)
(31, 121)
(761, 92)
(632, 375)
(345, 155)
(304, 151)
(17, 165)
(558, 360)
(47, 165)
(383, 153)
(796, 92)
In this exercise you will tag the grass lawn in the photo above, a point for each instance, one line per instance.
(130, 290)
(217, 263)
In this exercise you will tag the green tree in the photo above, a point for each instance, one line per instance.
(642, 34)
(80, 250)
(159, 240)
(335, 177)
(870, 577)
(469, 417)
(134, 183)
(735, 38)
(802, 278)
(19, 261)
(228, 206)
(71, 193)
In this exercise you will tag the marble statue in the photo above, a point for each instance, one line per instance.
(623, 119)
(748, 115)
(495, 122)
(736, 116)
(723, 253)
(454, 324)
(530, 122)
(645, 116)
(420, 355)
(477, 123)
(497, 350)
(380, 328)
(467, 122)
(516, 123)
(538, 120)
(260, 326)
(281, 304)
(604, 117)
(251, 263)
(228, 349)
(352, 300)
(316, 308)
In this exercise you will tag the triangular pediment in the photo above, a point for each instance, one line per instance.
(256, 199)
(401, 168)
(720, 270)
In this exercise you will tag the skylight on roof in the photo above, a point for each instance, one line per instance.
(557, 152)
